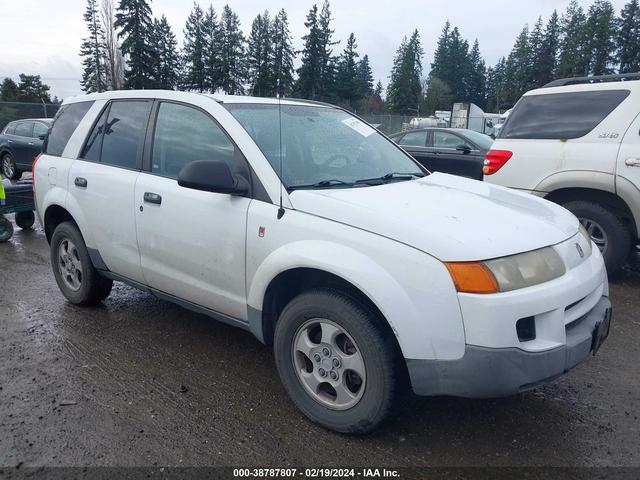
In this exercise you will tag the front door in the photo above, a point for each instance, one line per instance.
(192, 243)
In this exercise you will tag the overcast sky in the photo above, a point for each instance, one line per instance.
(43, 36)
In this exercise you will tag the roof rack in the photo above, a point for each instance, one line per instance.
(593, 79)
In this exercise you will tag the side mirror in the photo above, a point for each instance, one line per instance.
(463, 148)
(42, 137)
(212, 176)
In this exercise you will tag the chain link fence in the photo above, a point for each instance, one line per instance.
(10, 111)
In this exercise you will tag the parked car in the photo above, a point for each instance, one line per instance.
(325, 240)
(20, 142)
(449, 150)
(576, 142)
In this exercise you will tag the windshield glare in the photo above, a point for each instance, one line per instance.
(320, 144)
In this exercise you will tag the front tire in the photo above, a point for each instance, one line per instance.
(607, 230)
(75, 275)
(9, 168)
(338, 363)
(25, 220)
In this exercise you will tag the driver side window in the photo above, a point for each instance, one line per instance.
(184, 134)
(448, 140)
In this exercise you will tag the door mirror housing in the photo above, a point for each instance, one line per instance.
(212, 176)
(42, 137)
(463, 148)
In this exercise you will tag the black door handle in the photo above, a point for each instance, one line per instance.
(80, 182)
(151, 197)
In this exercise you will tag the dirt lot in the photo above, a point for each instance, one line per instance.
(139, 381)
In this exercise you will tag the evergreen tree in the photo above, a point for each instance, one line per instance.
(574, 48)
(93, 50)
(166, 58)
(438, 96)
(232, 61)
(518, 68)
(283, 55)
(374, 103)
(347, 85)
(8, 90)
(114, 60)
(405, 88)
(211, 43)
(441, 66)
(260, 55)
(601, 31)
(628, 38)
(545, 57)
(31, 89)
(364, 77)
(328, 64)
(476, 81)
(536, 39)
(195, 77)
(308, 83)
(134, 21)
(496, 87)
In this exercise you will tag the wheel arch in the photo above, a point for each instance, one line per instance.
(607, 199)
(54, 215)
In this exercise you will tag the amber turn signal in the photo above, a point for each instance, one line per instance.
(472, 277)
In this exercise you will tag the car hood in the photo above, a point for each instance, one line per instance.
(449, 217)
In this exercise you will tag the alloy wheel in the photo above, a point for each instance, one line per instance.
(597, 233)
(329, 364)
(7, 166)
(70, 265)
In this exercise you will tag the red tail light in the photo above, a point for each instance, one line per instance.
(33, 170)
(495, 160)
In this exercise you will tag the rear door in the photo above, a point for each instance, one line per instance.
(415, 144)
(102, 183)
(22, 144)
(192, 243)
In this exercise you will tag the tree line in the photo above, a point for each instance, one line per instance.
(127, 47)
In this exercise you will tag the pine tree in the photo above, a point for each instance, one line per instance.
(31, 89)
(211, 43)
(405, 87)
(440, 67)
(195, 77)
(601, 31)
(308, 83)
(476, 81)
(545, 58)
(93, 50)
(536, 40)
(328, 63)
(574, 48)
(166, 58)
(283, 55)
(232, 53)
(496, 87)
(628, 38)
(364, 77)
(347, 86)
(134, 21)
(518, 68)
(260, 55)
(437, 97)
(8, 90)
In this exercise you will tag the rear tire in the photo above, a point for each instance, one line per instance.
(607, 230)
(369, 347)
(6, 229)
(25, 220)
(75, 275)
(9, 168)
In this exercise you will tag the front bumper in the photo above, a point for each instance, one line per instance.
(497, 372)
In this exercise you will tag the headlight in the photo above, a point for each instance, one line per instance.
(587, 237)
(507, 273)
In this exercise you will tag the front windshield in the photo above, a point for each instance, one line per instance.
(480, 139)
(323, 146)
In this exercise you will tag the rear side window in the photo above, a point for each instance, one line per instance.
(24, 129)
(414, 139)
(561, 116)
(39, 129)
(124, 132)
(65, 123)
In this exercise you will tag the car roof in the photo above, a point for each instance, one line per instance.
(427, 129)
(44, 120)
(178, 95)
(586, 87)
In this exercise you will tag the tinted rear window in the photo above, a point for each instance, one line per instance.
(65, 123)
(123, 136)
(561, 115)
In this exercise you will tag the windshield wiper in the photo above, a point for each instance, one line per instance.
(322, 184)
(393, 176)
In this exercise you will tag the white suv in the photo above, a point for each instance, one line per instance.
(358, 267)
(577, 143)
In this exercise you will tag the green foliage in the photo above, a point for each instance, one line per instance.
(31, 89)
(405, 89)
(601, 31)
(232, 53)
(166, 65)
(93, 51)
(194, 53)
(283, 55)
(628, 38)
(8, 90)
(347, 87)
(574, 47)
(133, 18)
(260, 56)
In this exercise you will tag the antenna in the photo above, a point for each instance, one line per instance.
(280, 210)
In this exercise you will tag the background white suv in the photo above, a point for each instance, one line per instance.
(324, 239)
(577, 143)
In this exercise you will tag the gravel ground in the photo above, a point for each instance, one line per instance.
(142, 382)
